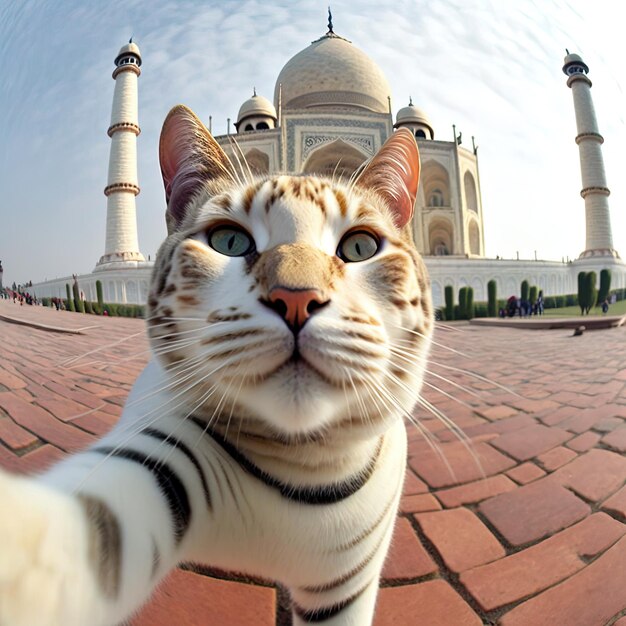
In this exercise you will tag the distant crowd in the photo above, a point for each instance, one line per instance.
(523, 308)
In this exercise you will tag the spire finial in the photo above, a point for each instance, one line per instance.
(410, 101)
(330, 23)
(567, 51)
(131, 39)
(254, 92)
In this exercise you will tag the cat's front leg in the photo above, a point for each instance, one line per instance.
(47, 572)
(357, 609)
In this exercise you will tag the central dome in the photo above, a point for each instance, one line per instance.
(332, 72)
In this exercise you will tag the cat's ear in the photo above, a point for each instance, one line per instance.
(394, 174)
(189, 157)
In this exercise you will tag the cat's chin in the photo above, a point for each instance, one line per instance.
(295, 399)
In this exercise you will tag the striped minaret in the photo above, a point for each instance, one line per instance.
(121, 245)
(599, 241)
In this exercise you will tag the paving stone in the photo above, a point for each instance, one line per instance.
(461, 539)
(588, 598)
(557, 416)
(525, 473)
(534, 569)
(15, 436)
(616, 504)
(407, 559)
(40, 459)
(413, 485)
(499, 412)
(433, 603)
(533, 511)
(583, 442)
(188, 599)
(555, 458)
(465, 464)
(62, 408)
(608, 424)
(476, 491)
(10, 381)
(529, 442)
(97, 422)
(595, 475)
(43, 424)
(616, 440)
(620, 622)
(419, 502)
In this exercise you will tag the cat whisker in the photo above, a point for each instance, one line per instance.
(476, 376)
(434, 343)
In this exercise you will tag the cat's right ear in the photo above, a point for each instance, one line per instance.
(189, 157)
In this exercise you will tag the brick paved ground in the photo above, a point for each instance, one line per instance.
(524, 524)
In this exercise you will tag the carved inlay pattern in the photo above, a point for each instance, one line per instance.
(365, 143)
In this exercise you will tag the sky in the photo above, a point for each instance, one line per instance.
(492, 67)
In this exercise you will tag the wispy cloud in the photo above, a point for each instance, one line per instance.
(490, 67)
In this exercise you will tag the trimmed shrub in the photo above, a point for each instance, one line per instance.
(46, 301)
(99, 294)
(78, 303)
(481, 309)
(525, 289)
(449, 294)
(69, 302)
(549, 302)
(591, 292)
(533, 294)
(582, 293)
(88, 307)
(462, 303)
(492, 294)
(605, 286)
(469, 303)
(570, 300)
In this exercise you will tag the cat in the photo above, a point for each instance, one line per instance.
(266, 435)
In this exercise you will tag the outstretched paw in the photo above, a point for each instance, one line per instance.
(45, 575)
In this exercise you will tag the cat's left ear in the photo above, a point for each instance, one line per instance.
(189, 158)
(394, 174)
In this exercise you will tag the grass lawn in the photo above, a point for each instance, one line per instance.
(619, 308)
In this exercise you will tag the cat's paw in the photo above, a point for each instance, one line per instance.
(45, 576)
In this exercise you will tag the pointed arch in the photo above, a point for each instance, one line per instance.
(471, 198)
(258, 161)
(435, 182)
(336, 157)
(440, 237)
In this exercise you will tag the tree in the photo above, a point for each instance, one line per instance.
(525, 289)
(492, 294)
(591, 292)
(605, 286)
(582, 301)
(449, 295)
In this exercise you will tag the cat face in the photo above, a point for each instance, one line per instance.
(295, 304)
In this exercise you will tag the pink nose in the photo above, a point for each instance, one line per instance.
(295, 306)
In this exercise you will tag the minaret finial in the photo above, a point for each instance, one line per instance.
(410, 101)
(566, 51)
(254, 92)
(131, 39)
(330, 23)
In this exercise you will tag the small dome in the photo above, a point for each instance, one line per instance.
(573, 59)
(412, 114)
(332, 72)
(256, 106)
(130, 48)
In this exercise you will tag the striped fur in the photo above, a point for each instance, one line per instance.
(255, 440)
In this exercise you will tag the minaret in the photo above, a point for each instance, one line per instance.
(121, 245)
(599, 241)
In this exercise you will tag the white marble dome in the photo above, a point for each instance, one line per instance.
(256, 106)
(332, 72)
(412, 115)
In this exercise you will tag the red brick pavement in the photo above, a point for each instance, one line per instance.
(523, 523)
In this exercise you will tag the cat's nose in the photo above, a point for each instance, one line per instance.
(295, 306)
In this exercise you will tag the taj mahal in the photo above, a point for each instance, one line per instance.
(331, 111)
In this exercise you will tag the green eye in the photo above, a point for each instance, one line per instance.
(231, 241)
(358, 246)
